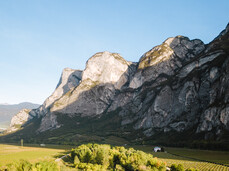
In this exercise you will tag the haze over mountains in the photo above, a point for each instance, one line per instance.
(180, 87)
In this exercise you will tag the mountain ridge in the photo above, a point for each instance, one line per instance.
(178, 86)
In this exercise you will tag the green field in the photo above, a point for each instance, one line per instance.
(32, 153)
(189, 158)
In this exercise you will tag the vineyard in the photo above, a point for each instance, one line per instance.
(191, 158)
(189, 163)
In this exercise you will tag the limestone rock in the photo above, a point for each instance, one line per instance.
(106, 67)
(18, 120)
(166, 59)
(105, 72)
(70, 78)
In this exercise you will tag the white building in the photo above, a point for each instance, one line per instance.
(157, 149)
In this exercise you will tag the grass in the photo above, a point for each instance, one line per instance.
(191, 158)
(113, 140)
(212, 156)
(32, 153)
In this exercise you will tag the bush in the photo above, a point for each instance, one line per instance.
(91, 167)
(45, 166)
(178, 167)
(24, 165)
(76, 160)
(103, 157)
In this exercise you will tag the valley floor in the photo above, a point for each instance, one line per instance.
(192, 158)
(10, 153)
(199, 159)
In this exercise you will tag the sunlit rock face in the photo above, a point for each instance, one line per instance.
(18, 120)
(166, 59)
(106, 67)
(104, 74)
(179, 85)
(70, 78)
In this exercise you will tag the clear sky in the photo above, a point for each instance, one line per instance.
(38, 38)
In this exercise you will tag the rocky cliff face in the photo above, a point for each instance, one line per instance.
(18, 120)
(7, 111)
(70, 79)
(183, 85)
(179, 85)
(166, 59)
(104, 74)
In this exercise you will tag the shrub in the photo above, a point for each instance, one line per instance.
(76, 160)
(24, 165)
(83, 153)
(91, 167)
(175, 167)
(45, 166)
(103, 157)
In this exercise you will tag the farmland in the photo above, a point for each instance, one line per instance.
(33, 153)
(189, 158)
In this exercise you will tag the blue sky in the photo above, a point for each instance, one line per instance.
(41, 37)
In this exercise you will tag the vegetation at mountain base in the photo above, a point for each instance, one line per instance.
(107, 130)
(105, 157)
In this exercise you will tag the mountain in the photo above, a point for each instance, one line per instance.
(9, 110)
(177, 94)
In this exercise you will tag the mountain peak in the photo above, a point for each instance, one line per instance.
(195, 45)
(105, 67)
(179, 46)
(69, 79)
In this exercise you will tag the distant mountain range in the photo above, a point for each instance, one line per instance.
(176, 94)
(7, 111)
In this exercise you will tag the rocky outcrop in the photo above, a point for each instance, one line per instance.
(18, 120)
(181, 89)
(104, 74)
(166, 59)
(69, 79)
(7, 111)
(179, 85)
